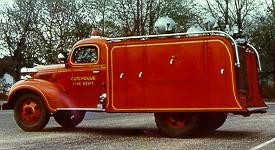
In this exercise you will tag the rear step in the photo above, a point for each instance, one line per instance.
(257, 109)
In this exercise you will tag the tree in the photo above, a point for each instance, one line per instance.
(262, 35)
(103, 11)
(230, 12)
(17, 27)
(60, 25)
(35, 32)
(138, 17)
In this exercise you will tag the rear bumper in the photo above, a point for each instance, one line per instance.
(257, 109)
(252, 110)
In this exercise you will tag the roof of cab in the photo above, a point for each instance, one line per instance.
(91, 40)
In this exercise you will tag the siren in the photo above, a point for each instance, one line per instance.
(195, 28)
(95, 33)
(165, 25)
(209, 22)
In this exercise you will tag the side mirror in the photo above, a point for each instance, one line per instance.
(62, 58)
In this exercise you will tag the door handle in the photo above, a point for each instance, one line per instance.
(96, 71)
(222, 71)
(121, 75)
(140, 74)
(172, 60)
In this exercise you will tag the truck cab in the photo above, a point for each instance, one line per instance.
(84, 77)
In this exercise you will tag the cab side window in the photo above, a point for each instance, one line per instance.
(86, 54)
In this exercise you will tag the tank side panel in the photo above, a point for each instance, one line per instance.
(174, 96)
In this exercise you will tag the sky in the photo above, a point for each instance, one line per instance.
(6, 2)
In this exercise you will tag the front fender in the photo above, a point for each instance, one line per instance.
(50, 92)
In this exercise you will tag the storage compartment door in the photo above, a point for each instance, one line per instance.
(136, 76)
(160, 83)
(189, 75)
(217, 72)
(119, 75)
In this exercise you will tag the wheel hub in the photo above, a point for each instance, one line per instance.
(176, 121)
(30, 112)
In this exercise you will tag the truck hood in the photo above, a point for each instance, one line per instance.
(49, 68)
(41, 72)
(48, 72)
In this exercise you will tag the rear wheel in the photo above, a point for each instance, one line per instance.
(30, 113)
(69, 118)
(177, 124)
(212, 121)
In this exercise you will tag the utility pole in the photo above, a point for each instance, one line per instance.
(226, 12)
(137, 23)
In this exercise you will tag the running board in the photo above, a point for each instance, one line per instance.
(84, 109)
(257, 109)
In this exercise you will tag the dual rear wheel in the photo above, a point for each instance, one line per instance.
(188, 124)
(212, 121)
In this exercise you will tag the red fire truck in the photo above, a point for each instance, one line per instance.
(190, 81)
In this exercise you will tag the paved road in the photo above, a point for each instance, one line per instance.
(138, 131)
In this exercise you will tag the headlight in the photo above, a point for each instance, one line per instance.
(27, 73)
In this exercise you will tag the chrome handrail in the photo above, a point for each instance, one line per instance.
(258, 56)
(184, 34)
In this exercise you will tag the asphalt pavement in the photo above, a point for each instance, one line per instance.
(138, 131)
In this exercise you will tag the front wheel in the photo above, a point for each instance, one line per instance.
(177, 124)
(69, 118)
(30, 113)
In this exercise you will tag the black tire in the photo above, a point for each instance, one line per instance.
(212, 121)
(177, 124)
(30, 113)
(69, 118)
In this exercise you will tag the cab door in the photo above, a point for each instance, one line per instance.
(85, 77)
